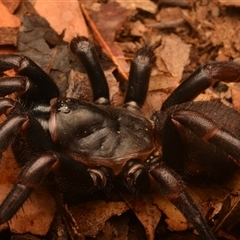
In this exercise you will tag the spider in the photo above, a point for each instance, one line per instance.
(90, 146)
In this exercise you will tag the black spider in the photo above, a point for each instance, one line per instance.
(90, 146)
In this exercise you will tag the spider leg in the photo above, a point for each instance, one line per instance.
(29, 178)
(86, 52)
(9, 129)
(136, 178)
(18, 84)
(139, 77)
(172, 188)
(209, 131)
(12, 125)
(201, 79)
(42, 87)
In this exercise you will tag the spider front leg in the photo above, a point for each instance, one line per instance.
(201, 79)
(138, 77)
(85, 51)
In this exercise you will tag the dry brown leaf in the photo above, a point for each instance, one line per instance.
(146, 211)
(91, 216)
(226, 34)
(145, 5)
(138, 29)
(105, 24)
(7, 19)
(229, 214)
(164, 82)
(63, 16)
(78, 86)
(233, 3)
(116, 231)
(9, 25)
(154, 102)
(169, 14)
(109, 19)
(235, 91)
(175, 54)
(175, 220)
(11, 5)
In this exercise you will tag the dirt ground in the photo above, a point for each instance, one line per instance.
(185, 35)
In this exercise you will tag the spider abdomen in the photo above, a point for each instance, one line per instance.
(192, 160)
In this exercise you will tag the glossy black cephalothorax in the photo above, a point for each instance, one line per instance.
(91, 146)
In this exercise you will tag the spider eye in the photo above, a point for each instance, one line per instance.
(63, 107)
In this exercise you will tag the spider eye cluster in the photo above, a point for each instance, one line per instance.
(63, 106)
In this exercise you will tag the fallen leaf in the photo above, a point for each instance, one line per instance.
(233, 3)
(138, 29)
(104, 25)
(63, 16)
(38, 41)
(116, 229)
(91, 216)
(235, 90)
(9, 25)
(224, 34)
(7, 19)
(229, 214)
(146, 5)
(11, 5)
(175, 220)
(146, 211)
(78, 86)
(175, 54)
